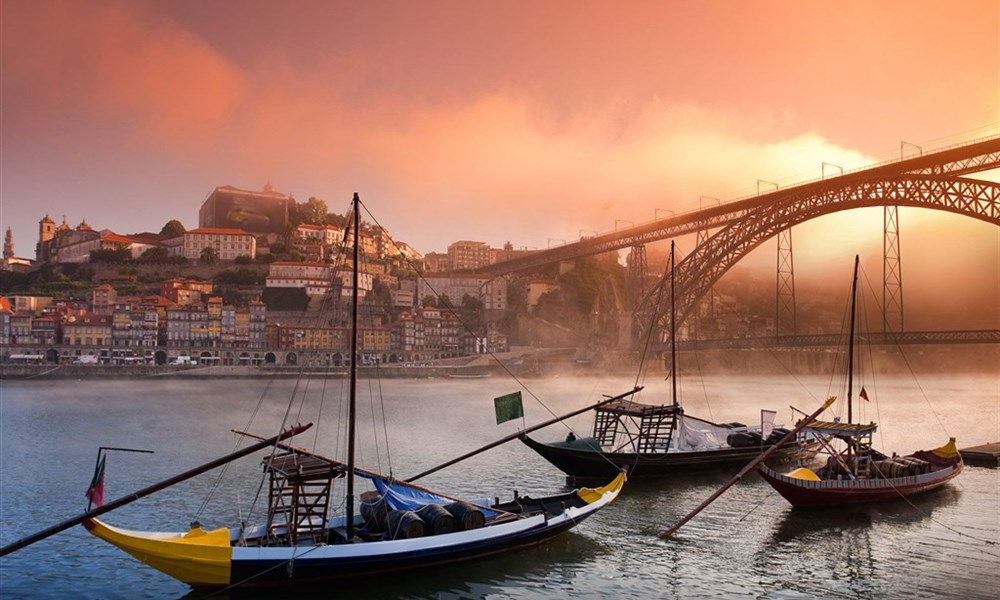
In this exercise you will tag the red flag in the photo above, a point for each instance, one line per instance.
(95, 493)
(863, 394)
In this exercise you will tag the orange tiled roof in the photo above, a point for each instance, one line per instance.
(219, 231)
(114, 237)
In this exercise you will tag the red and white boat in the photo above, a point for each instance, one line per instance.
(853, 472)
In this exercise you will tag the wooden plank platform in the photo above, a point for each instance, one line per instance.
(986, 455)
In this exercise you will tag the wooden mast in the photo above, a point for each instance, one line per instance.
(354, 373)
(850, 339)
(673, 332)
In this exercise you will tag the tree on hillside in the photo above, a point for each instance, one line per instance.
(173, 228)
(111, 255)
(336, 220)
(285, 299)
(313, 211)
(156, 254)
(209, 256)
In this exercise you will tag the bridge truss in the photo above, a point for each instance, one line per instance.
(936, 180)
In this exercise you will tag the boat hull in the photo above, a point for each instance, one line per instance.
(806, 493)
(215, 560)
(588, 463)
(278, 567)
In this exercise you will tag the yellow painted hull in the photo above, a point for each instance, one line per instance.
(197, 557)
(208, 558)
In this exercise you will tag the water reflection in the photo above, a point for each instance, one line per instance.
(748, 543)
(797, 524)
(543, 571)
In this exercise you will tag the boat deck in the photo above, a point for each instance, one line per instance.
(985, 455)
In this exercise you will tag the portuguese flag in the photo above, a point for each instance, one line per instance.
(95, 493)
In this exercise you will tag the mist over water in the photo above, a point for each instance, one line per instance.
(748, 543)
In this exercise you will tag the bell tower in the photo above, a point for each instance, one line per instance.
(46, 229)
(8, 245)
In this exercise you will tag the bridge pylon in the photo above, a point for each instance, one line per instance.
(784, 307)
(635, 284)
(892, 274)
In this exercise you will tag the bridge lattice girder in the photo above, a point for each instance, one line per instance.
(950, 162)
(709, 261)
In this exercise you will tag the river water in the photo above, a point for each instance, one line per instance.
(748, 544)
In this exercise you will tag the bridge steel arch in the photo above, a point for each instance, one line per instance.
(704, 266)
(952, 163)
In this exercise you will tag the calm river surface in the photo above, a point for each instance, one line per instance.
(748, 544)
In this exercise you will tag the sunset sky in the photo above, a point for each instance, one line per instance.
(526, 122)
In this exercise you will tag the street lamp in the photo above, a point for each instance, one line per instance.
(656, 212)
(760, 181)
(617, 221)
(920, 151)
(823, 167)
(716, 201)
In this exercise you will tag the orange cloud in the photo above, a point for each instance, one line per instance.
(121, 67)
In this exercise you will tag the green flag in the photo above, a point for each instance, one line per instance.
(508, 407)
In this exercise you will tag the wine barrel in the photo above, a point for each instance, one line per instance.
(743, 439)
(373, 511)
(467, 515)
(776, 434)
(438, 519)
(405, 524)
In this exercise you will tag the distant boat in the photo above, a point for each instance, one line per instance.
(853, 472)
(399, 527)
(654, 441)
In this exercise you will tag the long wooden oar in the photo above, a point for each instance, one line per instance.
(41, 535)
(801, 425)
(363, 472)
(518, 434)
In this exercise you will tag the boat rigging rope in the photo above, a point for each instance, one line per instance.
(949, 528)
(465, 325)
(236, 445)
(284, 564)
(385, 429)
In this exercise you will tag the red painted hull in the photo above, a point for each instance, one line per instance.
(803, 493)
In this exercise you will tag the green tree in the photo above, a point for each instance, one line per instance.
(313, 211)
(110, 255)
(429, 300)
(336, 220)
(173, 228)
(285, 298)
(155, 255)
(380, 295)
(240, 276)
(209, 256)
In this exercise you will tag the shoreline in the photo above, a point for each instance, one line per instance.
(942, 359)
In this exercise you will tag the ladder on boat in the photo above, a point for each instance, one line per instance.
(299, 497)
(656, 428)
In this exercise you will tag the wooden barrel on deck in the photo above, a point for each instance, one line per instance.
(467, 515)
(405, 524)
(373, 511)
(438, 519)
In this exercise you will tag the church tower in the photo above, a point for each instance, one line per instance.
(46, 229)
(8, 245)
